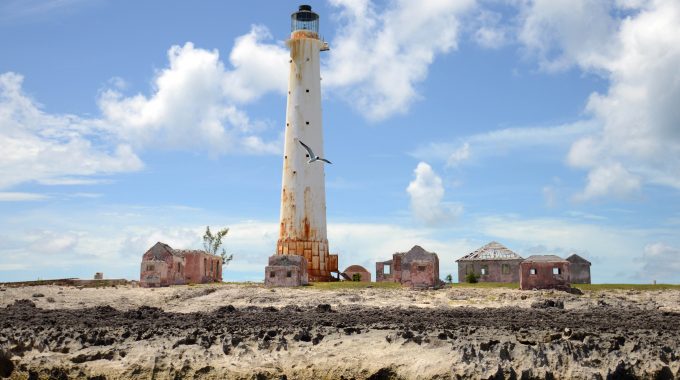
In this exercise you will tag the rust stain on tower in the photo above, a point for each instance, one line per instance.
(303, 196)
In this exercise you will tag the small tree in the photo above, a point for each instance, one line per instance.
(449, 278)
(471, 278)
(356, 277)
(213, 244)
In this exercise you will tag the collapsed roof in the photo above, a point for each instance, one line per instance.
(491, 251)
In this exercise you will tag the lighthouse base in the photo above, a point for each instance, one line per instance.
(320, 264)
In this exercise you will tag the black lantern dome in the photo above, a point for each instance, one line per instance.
(304, 19)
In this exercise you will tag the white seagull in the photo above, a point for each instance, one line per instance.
(313, 157)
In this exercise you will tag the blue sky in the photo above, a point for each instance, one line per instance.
(549, 126)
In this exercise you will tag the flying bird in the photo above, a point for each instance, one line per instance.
(312, 157)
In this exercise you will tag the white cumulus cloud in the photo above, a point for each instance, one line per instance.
(638, 142)
(39, 146)
(377, 58)
(427, 197)
(194, 102)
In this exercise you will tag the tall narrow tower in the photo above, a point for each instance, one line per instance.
(303, 197)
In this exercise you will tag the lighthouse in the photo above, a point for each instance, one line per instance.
(303, 194)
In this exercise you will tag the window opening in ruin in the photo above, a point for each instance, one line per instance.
(387, 269)
(289, 274)
(307, 90)
(306, 122)
(557, 271)
(505, 268)
(149, 267)
(421, 268)
(485, 270)
(272, 274)
(532, 271)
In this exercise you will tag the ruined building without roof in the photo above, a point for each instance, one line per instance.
(416, 268)
(163, 265)
(492, 263)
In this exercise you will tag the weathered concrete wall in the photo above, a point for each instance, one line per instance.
(415, 268)
(422, 274)
(381, 276)
(544, 277)
(202, 268)
(580, 273)
(161, 267)
(286, 271)
(497, 270)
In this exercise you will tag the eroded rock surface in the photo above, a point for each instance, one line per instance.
(362, 342)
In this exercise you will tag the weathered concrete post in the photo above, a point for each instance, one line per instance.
(303, 198)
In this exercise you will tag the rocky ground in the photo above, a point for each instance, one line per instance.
(251, 332)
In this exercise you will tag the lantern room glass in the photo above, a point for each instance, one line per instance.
(304, 19)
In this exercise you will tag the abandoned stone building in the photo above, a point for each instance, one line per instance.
(544, 272)
(416, 268)
(491, 263)
(286, 270)
(579, 269)
(363, 274)
(163, 266)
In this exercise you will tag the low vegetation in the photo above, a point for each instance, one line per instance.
(352, 285)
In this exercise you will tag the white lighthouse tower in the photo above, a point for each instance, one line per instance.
(303, 196)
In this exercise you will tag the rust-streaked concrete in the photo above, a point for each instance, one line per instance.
(303, 195)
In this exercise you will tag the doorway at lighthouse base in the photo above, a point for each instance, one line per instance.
(320, 264)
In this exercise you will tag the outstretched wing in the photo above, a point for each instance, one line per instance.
(309, 150)
(324, 160)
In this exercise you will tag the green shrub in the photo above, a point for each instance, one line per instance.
(471, 278)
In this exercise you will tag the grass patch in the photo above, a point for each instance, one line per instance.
(642, 287)
(485, 285)
(352, 285)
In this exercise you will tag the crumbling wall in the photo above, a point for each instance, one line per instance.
(286, 270)
(540, 275)
(496, 270)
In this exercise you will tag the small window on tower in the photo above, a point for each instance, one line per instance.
(294, 172)
(289, 274)
(272, 274)
(307, 155)
(288, 124)
(306, 122)
(307, 90)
